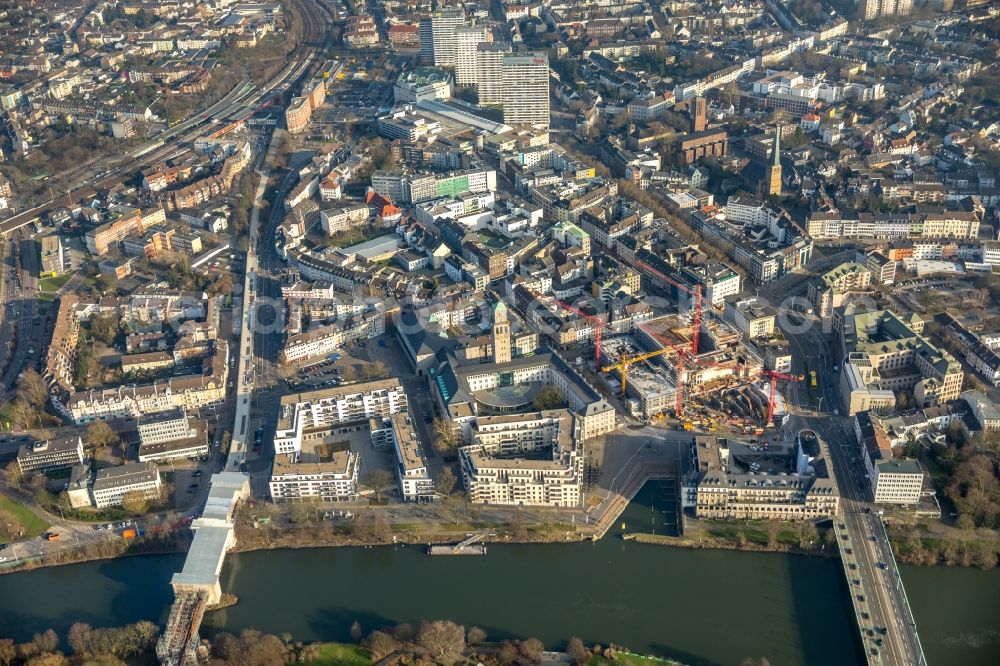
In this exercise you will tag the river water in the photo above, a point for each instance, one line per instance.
(700, 607)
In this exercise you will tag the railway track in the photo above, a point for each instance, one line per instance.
(316, 38)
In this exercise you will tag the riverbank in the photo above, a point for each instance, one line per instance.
(174, 542)
(751, 536)
(717, 544)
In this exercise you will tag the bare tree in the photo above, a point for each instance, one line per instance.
(47, 641)
(356, 632)
(8, 652)
(441, 638)
(381, 644)
(378, 480)
(25, 415)
(577, 651)
(135, 502)
(532, 649)
(32, 387)
(807, 533)
(14, 475)
(445, 435)
(99, 435)
(446, 481)
(475, 636)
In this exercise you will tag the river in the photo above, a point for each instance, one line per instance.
(700, 607)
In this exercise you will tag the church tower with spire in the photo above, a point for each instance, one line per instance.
(774, 175)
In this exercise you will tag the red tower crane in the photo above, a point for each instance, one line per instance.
(774, 377)
(695, 293)
(599, 324)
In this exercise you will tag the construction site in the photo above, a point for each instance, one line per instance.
(705, 381)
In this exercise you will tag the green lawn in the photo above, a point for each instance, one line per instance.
(53, 283)
(341, 654)
(30, 523)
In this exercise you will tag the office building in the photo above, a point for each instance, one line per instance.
(731, 481)
(421, 84)
(750, 316)
(896, 481)
(53, 261)
(884, 354)
(833, 288)
(524, 460)
(42, 456)
(526, 89)
(112, 484)
(171, 434)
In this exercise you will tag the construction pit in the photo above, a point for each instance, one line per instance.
(657, 369)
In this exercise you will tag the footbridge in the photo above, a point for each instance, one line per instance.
(196, 587)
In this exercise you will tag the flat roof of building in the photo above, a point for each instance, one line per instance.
(907, 466)
(125, 475)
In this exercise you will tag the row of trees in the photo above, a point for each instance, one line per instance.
(112, 646)
(446, 642)
(912, 549)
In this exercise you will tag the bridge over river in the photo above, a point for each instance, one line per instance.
(196, 587)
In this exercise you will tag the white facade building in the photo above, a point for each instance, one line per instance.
(526, 89)
(112, 484)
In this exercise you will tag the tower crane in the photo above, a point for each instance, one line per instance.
(598, 323)
(695, 293)
(774, 377)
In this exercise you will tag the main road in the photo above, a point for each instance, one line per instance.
(889, 633)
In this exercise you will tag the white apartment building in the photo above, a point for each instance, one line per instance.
(443, 26)
(489, 71)
(415, 483)
(301, 413)
(497, 469)
(327, 339)
(747, 210)
(112, 484)
(467, 41)
(341, 218)
(295, 476)
(873, 9)
(896, 481)
(526, 89)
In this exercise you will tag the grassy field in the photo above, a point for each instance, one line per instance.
(341, 654)
(53, 283)
(29, 522)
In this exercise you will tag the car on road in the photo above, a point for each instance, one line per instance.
(882, 565)
(2, 558)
